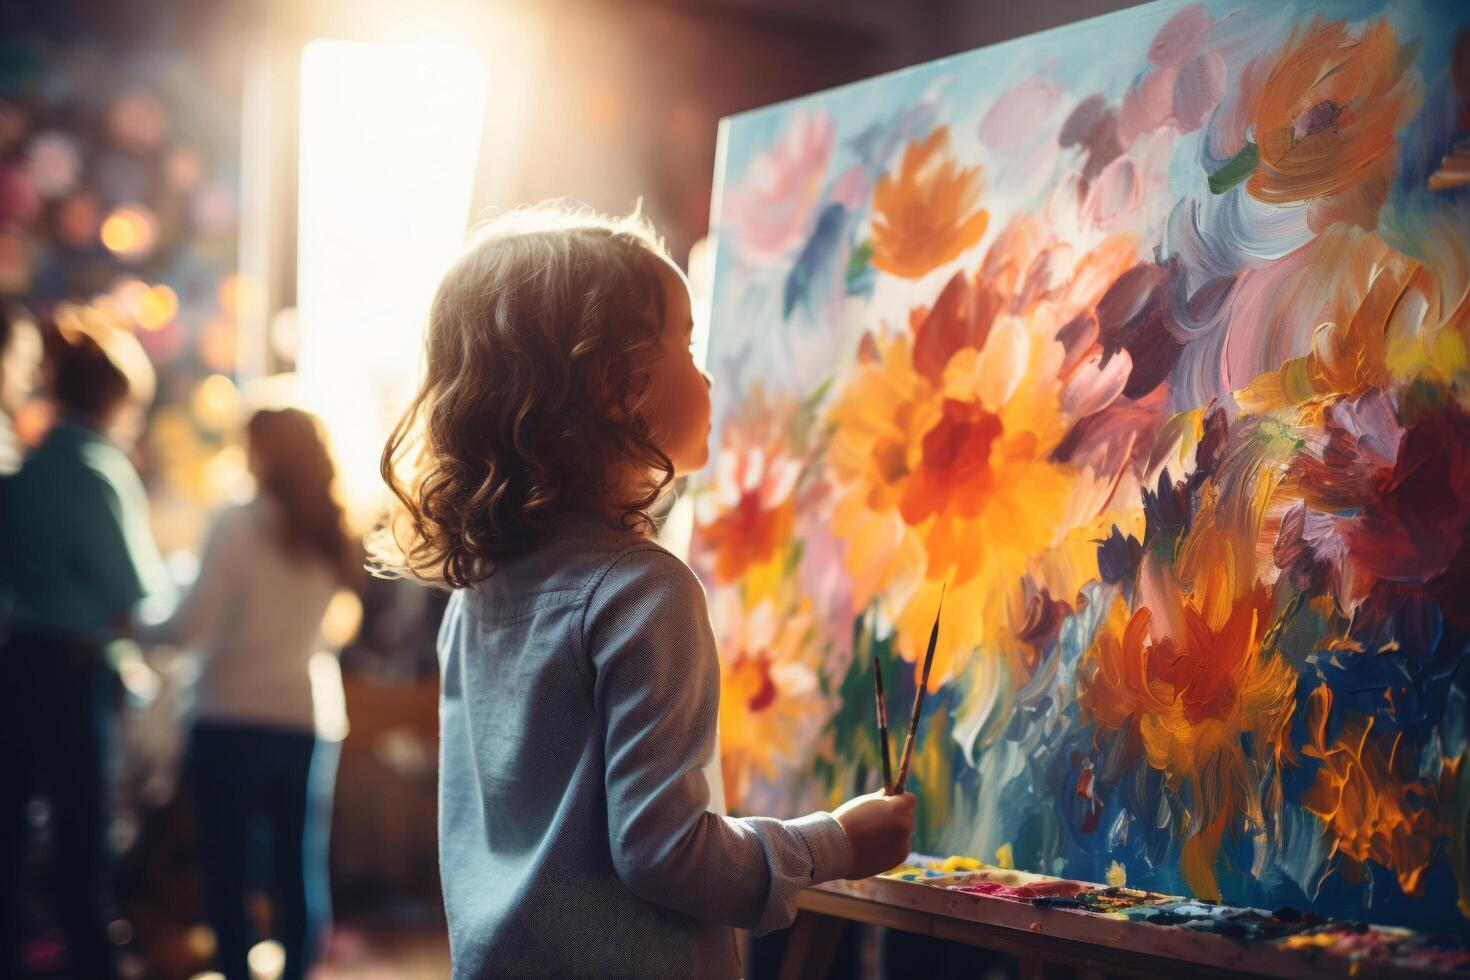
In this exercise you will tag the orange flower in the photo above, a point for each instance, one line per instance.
(927, 215)
(1188, 705)
(1327, 120)
(941, 455)
(749, 509)
(1367, 794)
(1391, 320)
(949, 480)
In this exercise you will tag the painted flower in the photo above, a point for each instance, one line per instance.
(749, 509)
(948, 479)
(929, 213)
(1348, 349)
(1381, 505)
(770, 210)
(1185, 84)
(771, 704)
(1210, 710)
(1368, 794)
(944, 451)
(1327, 118)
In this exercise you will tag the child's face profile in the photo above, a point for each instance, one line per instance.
(678, 406)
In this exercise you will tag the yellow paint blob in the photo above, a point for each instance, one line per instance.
(956, 862)
(1117, 874)
(1004, 856)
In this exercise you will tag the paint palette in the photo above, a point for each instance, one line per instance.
(1286, 930)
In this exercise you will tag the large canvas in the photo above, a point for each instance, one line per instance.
(1150, 338)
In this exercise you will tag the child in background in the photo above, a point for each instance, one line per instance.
(580, 678)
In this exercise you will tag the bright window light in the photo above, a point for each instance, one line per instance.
(389, 139)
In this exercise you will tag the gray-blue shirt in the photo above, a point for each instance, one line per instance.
(580, 695)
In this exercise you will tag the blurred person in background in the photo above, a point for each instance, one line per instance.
(259, 746)
(20, 362)
(78, 556)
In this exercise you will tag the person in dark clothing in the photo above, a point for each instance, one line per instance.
(77, 556)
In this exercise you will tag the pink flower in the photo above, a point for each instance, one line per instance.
(770, 209)
(1186, 84)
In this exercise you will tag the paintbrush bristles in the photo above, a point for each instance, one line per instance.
(883, 726)
(908, 742)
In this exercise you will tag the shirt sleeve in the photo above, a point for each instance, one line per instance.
(200, 610)
(647, 632)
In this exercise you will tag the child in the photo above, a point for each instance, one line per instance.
(580, 680)
(257, 747)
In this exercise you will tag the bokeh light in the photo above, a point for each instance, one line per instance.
(184, 168)
(343, 619)
(138, 120)
(241, 296)
(17, 262)
(131, 293)
(218, 344)
(213, 208)
(216, 403)
(20, 202)
(130, 232)
(12, 124)
(77, 220)
(227, 475)
(267, 959)
(200, 941)
(157, 308)
(53, 164)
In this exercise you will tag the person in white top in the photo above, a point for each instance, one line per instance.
(258, 747)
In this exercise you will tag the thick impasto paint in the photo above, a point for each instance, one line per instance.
(1150, 337)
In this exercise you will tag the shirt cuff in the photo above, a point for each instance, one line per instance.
(827, 842)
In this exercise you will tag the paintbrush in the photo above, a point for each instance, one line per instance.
(908, 742)
(883, 727)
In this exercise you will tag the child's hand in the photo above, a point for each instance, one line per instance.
(878, 828)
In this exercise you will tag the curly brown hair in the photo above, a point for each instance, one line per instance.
(540, 338)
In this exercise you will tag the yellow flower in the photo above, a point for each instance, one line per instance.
(949, 481)
(942, 455)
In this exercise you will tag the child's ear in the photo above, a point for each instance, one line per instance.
(636, 392)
